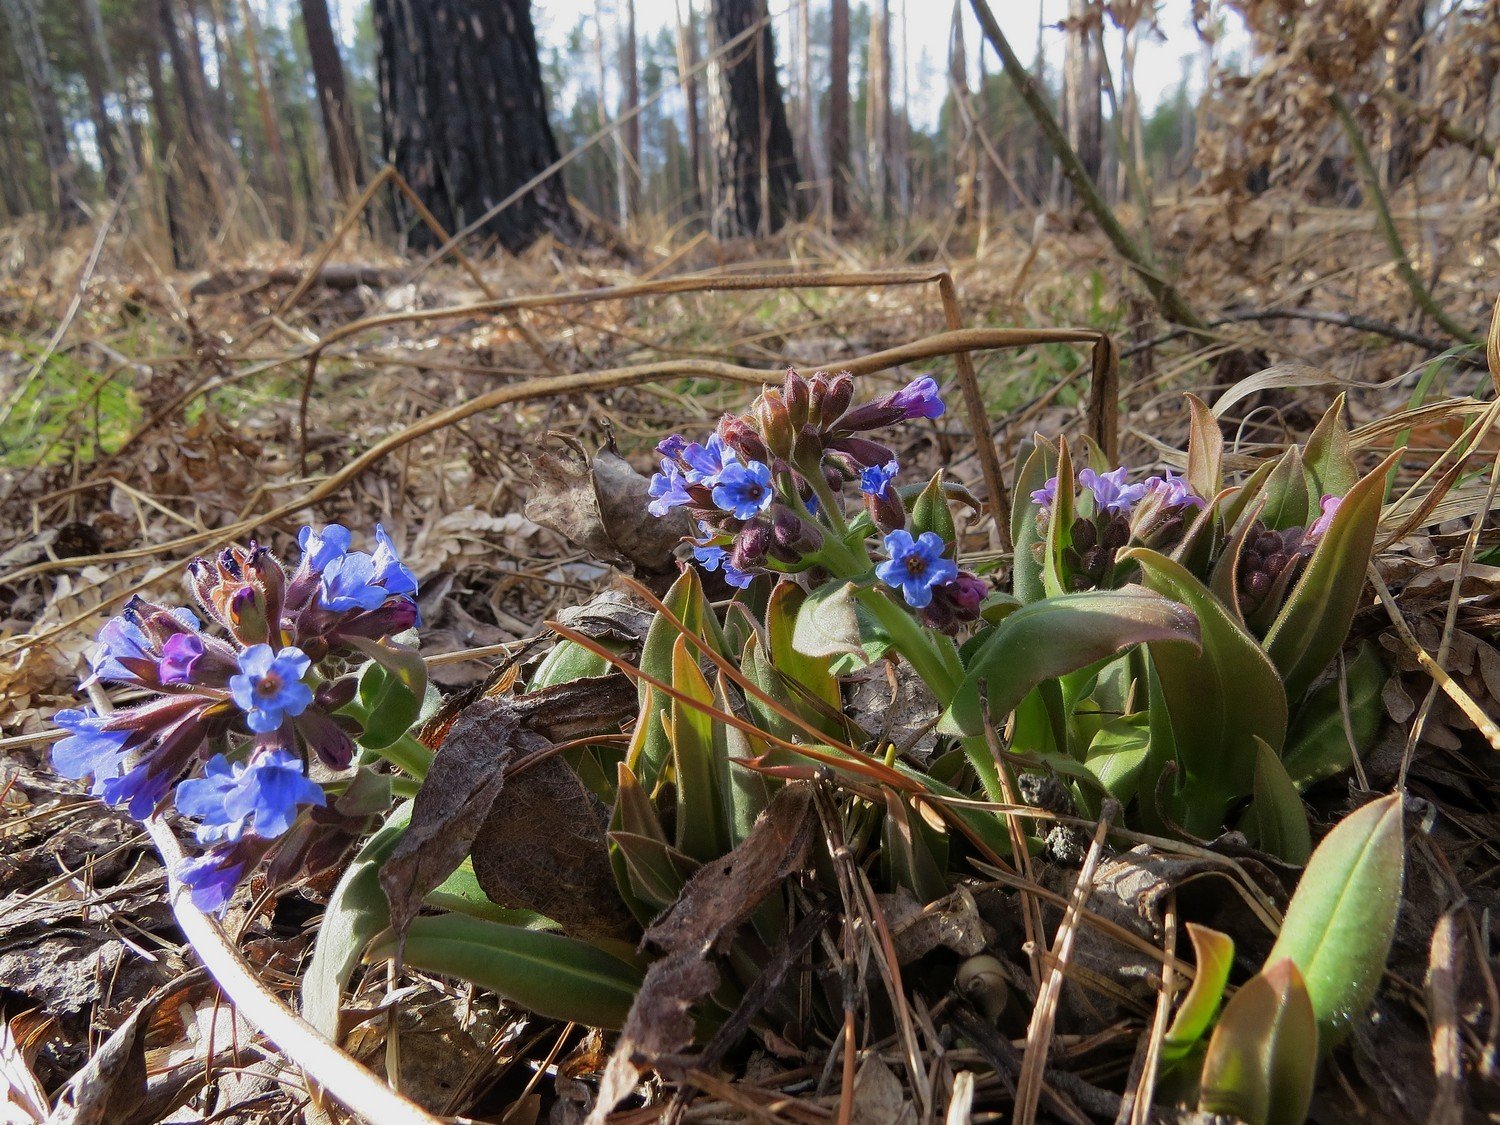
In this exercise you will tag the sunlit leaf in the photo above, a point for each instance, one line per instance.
(568, 661)
(1117, 754)
(1213, 957)
(930, 511)
(1026, 576)
(1285, 493)
(702, 778)
(1059, 535)
(913, 855)
(1276, 818)
(1263, 1057)
(391, 691)
(1327, 456)
(1205, 468)
(1339, 925)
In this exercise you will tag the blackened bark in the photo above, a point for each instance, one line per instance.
(36, 73)
(756, 166)
(465, 115)
(333, 96)
(838, 107)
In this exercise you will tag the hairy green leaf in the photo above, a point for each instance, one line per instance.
(1318, 744)
(1263, 1056)
(1276, 816)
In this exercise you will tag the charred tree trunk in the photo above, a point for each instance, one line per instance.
(190, 86)
(36, 73)
(755, 178)
(838, 108)
(333, 97)
(168, 155)
(1407, 40)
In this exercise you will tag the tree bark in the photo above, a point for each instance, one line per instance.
(36, 73)
(333, 97)
(465, 116)
(190, 86)
(269, 125)
(168, 154)
(755, 181)
(630, 100)
(1082, 106)
(115, 148)
(838, 108)
(878, 109)
(687, 64)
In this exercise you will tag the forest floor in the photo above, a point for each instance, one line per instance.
(149, 416)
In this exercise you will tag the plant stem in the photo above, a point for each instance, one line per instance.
(1387, 225)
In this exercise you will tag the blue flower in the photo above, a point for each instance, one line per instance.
(89, 750)
(124, 638)
(876, 479)
(270, 688)
(668, 489)
(350, 582)
(744, 491)
(1046, 496)
(211, 880)
(1174, 491)
(919, 398)
(705, 462)
(390, 571)
(262, 798)
(671, 446)
(709, 557)
(736, 577)
(321, 548)
(1111, 493)
(140, 790)
(916, 566)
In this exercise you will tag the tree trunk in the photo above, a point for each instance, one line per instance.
(687, 63)
(838, 108)
(756, 167)
(1082, 105)
(120, 161)
(169, 155)
(190, 85)
(878, 109)
(333, 97)
(36, 73)
(14, 180)
(1405, 63)
(269, 124)
(465, 116)
(630, 100)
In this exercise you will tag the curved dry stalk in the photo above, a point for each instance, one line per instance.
(354, 1087)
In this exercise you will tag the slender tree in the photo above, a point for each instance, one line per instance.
(878, 107)
(755, 164)
(1083, 110)
(333, 97)
(116, 150)
(630, 100)
(838, 107)
(465, 118)
(687, 71)
(36, 73)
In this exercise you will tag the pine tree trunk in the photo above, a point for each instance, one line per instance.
(116, 149)
(14, 188)
(687, 64)
(1405, 62)
(878, 109)
(838, 108)
(465, 116)
(755, 164)
(333, 97)
(190, 87)
(269, 125)
(168, 155)
(1082, 105)
(36, 73)
(630, 181)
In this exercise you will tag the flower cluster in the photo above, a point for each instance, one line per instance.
(1114, 513)
(768, 487)
(1270, 561)
(249, 708)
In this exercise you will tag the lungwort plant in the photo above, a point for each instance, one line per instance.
(634, 819)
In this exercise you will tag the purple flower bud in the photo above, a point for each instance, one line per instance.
(774, 422)
(798, 397)
(751, 546)
(831, 396)
(743, 438)
(919, 398)
(1046, 496)
(967, 592)
(862, 451)
(1330, 506)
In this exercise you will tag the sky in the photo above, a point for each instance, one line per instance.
(1159, 65)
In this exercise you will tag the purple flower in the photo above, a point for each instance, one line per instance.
(671, 447)
(919, 398)
(1330, 506)
(89, 750)
(668, 489)
(179, 656)
(269, 687)
(1111, 493)
(707, 461)
(211, 879)
(321, 548)
(876, 479)
(1174, 491)
(131, 642)
(744, 491)
(1046, 496)
(140, 790)
(916, 566)
(262, 798)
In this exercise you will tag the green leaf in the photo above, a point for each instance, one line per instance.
(828, 623)
(1339, 925)
(930, 512)
(689, 605)
(749, 790)
(1314, 622)
(1285, 493)
(656, 871)
(702, 778)
(462, 894)
(1205, 467)
(550, 974)
(391, 691)
(1276, 818)
(913, 855)
(1318, 745)
(569, 661)
(1263, 1057)
(815, 695)
(1213, 957)
(1327, 457)
(1059, 528)
(1117, 754)
(633, 814)
(357, 911)
(1219, 699)
(1026, 571)
(1056, 636)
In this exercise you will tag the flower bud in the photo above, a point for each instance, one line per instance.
(742, 437)
(247, 616)
(751, 545)
(886, 510)
(774, 422)
(831, 395)
(797, 395)
(862, 451)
